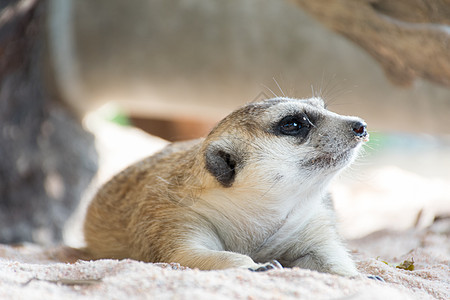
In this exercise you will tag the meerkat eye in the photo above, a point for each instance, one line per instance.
(293, 125)
(290, 126)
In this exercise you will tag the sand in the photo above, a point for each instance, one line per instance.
(32, 272)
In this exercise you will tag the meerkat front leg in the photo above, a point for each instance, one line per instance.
(319, 248)
(329, 257)
(205, 259)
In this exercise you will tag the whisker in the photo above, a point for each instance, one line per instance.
(321, 84)
(329, 85)
(268, 190)
(273, 93)
(368, 146)
(279, 86)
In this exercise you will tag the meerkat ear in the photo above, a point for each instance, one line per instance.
(222, 165)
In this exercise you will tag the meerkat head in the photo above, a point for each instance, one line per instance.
(282, 142)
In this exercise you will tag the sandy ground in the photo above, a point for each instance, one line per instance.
(30, 272)
(391, 211)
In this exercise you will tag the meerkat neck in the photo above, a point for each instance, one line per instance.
(180, 186)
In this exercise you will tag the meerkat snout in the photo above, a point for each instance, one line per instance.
(359, 129)
(253, 191)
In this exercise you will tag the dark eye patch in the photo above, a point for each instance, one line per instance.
(294, 125)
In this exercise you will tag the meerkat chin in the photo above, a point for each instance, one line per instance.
(251, 194)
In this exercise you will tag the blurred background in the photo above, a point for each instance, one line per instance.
(132, 75)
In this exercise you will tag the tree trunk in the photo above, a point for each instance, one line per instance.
(46, 158)
(409, 38)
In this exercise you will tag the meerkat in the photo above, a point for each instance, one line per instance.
(252, 194)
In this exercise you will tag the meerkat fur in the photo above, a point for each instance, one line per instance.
(253, 192)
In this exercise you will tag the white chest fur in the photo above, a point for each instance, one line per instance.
(259, 225)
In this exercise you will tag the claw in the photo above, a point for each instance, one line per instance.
(274, 264)
(376, 277)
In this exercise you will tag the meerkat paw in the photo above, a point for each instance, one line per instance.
(347, 269)
(337, 262)
(274, 264)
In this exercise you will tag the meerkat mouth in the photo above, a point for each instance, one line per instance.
(338, 159)
(330, 160)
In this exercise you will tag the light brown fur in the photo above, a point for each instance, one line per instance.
(219, 202)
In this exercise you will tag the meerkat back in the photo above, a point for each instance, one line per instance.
(107, 223)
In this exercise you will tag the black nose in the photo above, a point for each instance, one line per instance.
(359, 128)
